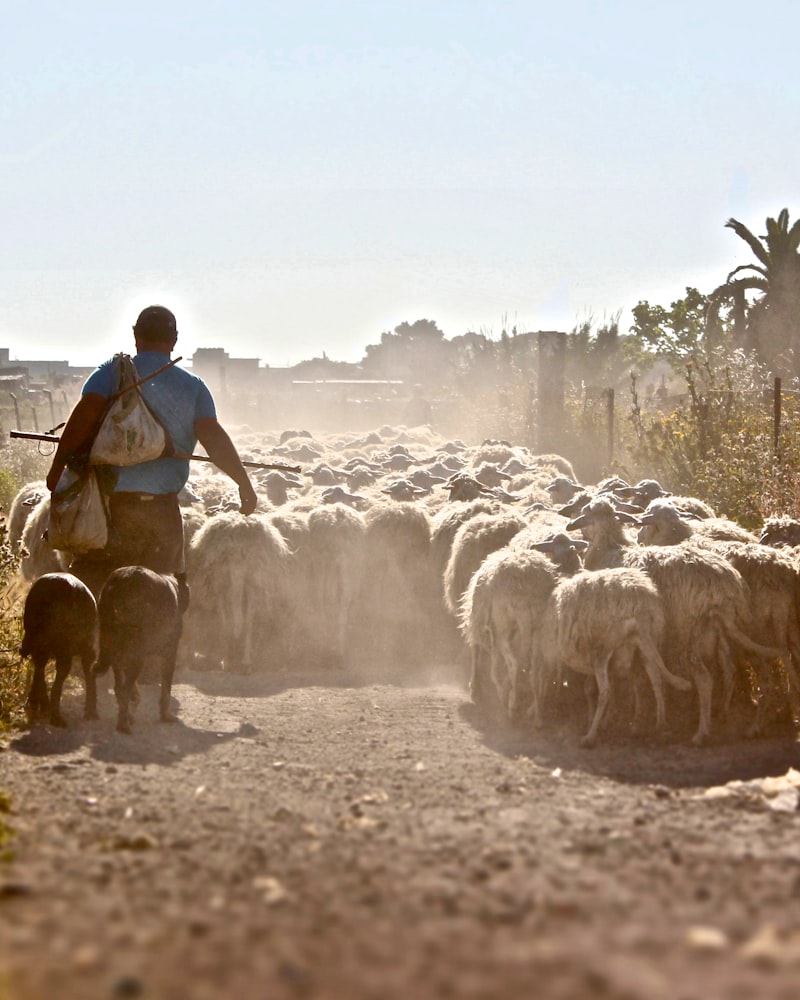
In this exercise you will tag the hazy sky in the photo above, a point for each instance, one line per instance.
(297, 177)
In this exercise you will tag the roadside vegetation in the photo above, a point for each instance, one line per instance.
(702, 394)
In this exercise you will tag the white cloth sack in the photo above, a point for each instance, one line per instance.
(78, 521)
(129, 433)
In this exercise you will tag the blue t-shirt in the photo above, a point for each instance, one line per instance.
(177, 398)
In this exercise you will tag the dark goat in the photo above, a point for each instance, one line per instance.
(60, 622)
(140, 616)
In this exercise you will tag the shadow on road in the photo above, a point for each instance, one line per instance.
(641, 761)
(152, 741)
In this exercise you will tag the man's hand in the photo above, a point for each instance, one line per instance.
(54, 475)
(247, 497)
(220, 449)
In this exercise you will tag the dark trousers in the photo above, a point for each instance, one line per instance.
(144, 529)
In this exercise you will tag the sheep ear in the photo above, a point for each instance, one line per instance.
(626, 518)
(689, 515)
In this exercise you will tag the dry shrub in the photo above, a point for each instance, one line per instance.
(13, 673)
(718, 444)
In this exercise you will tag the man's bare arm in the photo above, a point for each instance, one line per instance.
(222, 452)
(81, 427)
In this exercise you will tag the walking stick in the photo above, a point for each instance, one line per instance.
(54, 439)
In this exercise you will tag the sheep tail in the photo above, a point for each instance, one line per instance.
(735, 634)
(650, 650)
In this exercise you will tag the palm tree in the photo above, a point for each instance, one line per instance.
(770, 325)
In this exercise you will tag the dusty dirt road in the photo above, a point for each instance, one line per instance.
(297, 839)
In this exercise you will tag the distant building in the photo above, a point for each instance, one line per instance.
(211, 365)
(39, 371)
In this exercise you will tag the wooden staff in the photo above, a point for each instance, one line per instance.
(54, 439)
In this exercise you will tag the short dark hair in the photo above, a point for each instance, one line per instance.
(155, 324)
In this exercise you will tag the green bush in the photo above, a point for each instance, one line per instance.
(21, 462)
(719, 443)
(13, 673)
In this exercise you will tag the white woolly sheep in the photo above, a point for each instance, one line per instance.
(22, 506)
(291, 636)
(490, 475)
(773, 584)
(336, 550)
(193, 520)
(706, 606)
(474, 540)
(445, 525)
(276, 485)
(401, 618)
(603, 527)
(564, 552)
(38, 555)
(235, 568)
(705, 600)
(403, 491)
(780, 532)
(562, 490)
(500, 611)
(596, 622)
(463, 487)
(771, 577)
(662, 523)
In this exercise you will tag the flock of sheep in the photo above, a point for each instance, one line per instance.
(396, 550)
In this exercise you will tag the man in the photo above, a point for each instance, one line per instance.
(145, 523)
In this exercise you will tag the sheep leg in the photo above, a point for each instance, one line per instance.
(637, 704)
(496, 672)
(536, 684)
(477, 686)
(167, 673)
(590, 690)
(603, 689)
(236, 623)
(90, 682)
(703, 686)
(674, 680)
(726, 666)
(623, 661)
(775, 691)
(756, 726)
(38, 699)
(658, 672)
(512, 675)
(650, 660)
(127, 693)
(792, 663)
(481, 688)
(63, 667)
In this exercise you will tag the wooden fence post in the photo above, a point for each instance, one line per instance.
(16, 408)
(610, 425)
(550, 423)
